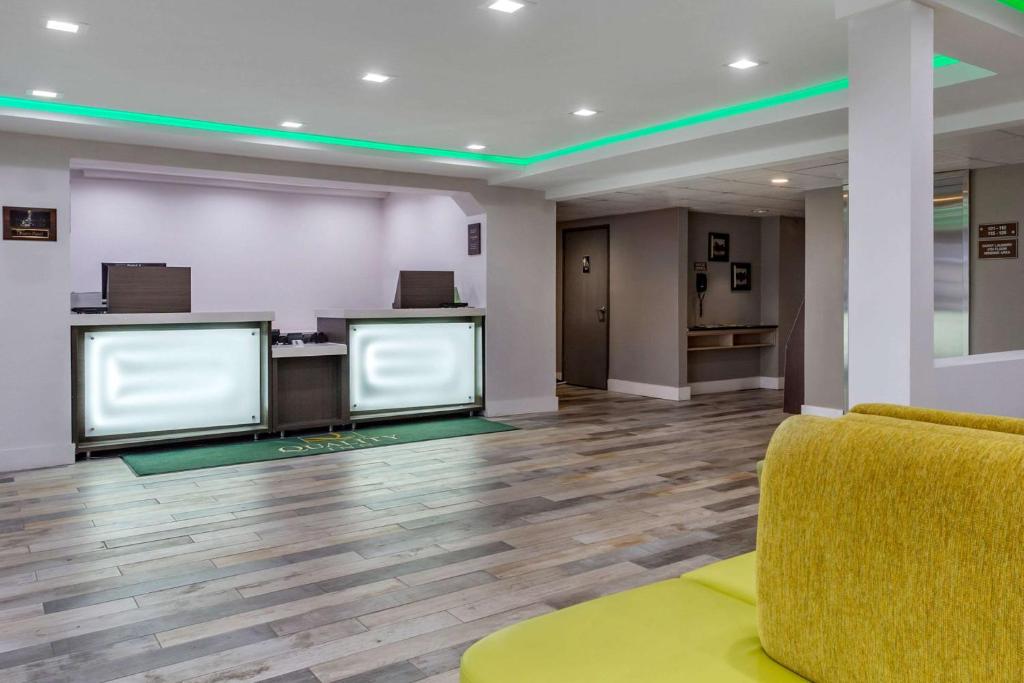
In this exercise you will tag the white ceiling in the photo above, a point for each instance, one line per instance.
(744, 192)
(463, 73)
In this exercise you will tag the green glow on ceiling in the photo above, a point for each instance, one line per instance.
(837, 85)
(235, 129)
(1015, 4)
(280, 134)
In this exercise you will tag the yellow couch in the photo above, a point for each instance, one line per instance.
(890, 550)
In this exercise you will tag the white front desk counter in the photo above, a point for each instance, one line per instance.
(414, 361)
(154, 377)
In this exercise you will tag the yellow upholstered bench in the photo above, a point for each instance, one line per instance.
(890, 550)
(699, 627)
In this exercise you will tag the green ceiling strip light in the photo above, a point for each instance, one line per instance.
(254, 131)
(235, 129)
(837, 85)
(1015, 4)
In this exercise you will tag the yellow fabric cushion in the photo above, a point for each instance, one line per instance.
(1009, 425)
(735, 577)
(935, 427)
(892, 554)
(675, 631)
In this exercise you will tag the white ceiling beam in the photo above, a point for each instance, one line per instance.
(966, 122)
(698, 169)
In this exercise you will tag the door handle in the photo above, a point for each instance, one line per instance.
(602, 314)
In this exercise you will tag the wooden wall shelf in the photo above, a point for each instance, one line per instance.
(731, 338)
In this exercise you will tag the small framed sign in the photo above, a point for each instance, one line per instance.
(31, 225)
(995, 230)
(741, 277)
(475, 239)
(997, 249)
(700, 266)
(718, 246)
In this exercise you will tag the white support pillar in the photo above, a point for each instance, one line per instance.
(891, 280)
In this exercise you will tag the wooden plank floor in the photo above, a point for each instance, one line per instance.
(378, 565)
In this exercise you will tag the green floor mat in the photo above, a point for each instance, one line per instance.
(187, 458)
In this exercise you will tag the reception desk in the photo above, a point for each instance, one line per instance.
(158, 377)
(405, 362)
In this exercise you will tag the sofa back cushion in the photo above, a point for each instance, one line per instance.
(992, 423)
(892, 554)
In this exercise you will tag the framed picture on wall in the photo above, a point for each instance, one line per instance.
(741, 277)
(718, 246)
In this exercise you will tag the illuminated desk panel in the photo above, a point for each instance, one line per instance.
(410, 361)
(151, 379)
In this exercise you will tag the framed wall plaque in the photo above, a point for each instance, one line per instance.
(997, 249)
(475, 239)
(30, 225)
(741, 277)
(996, 230)
(718, 246)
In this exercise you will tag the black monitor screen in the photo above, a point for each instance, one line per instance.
(103, 288)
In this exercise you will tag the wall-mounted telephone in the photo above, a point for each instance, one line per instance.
(702, 290)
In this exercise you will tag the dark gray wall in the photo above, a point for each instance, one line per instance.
(647, 312)
(782, 284)
(997, 304)
(722, 305)
(824, 373)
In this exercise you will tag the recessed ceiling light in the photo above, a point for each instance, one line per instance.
(373, 77)
(49, 94)
(507, 6)
(780, 181)
(291, 124)
(760, 212)
(66, 26)
(743, 64)
(584, 112)
(476, 147)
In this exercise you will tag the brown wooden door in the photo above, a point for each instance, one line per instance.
(585, 311)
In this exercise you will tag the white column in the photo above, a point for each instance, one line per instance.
(891, 283)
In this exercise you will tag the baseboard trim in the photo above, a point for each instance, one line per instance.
(821, 411)
(651, 390)
(722, 386)
(521, 406)
(35, 457)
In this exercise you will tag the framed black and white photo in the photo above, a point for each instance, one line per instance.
(718, 246)
(741, 277)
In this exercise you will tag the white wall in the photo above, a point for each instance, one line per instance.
(429, 232)
(248, 250)
(35, 348)
(35, 393)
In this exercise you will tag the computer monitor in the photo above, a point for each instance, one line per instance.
(103, 287)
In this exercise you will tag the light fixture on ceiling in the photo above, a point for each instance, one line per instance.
(507, 6)
(584, 112)
(47, 94)
(744, 64)
(374, 77)
(476, 147)
(291, 124)
(780, 181)
(65, 26)
(760, 212)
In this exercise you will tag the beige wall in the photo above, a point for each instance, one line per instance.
(824, 373)
(35, 284)
(997, 306)
(647, 310)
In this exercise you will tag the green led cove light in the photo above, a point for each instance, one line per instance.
(1015, 4)
(254, 131)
